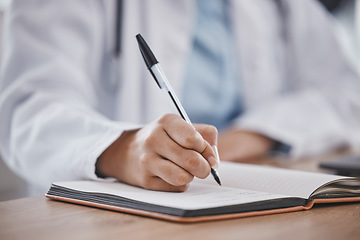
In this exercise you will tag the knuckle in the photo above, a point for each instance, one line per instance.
(192, 161)
(150, 141)
(190, 141)
(166, 118)
(183, 179)
(196, 165)
(145, 161)
(203, 174)
(212, 129)
(176, 149)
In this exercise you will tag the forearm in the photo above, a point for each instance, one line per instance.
(240, 145)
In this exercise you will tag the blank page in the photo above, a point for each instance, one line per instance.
(271, 179)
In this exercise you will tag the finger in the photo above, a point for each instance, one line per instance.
(186, 136)
(210, 134)
(158, 184)
(210, 155)
(153, 168)
(170, 172)
(182, 133)
(188, 159)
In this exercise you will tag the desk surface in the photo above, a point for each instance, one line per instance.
(40, 218)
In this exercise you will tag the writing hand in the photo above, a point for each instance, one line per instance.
(164, 155)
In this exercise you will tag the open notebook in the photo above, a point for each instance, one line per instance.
(247, 190)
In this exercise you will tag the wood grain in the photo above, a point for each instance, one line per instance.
(40, 218)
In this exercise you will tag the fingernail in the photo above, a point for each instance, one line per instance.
(217, 156)
(213, 162)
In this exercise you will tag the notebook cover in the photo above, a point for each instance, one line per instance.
(308, 206)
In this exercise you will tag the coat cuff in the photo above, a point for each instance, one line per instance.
(90, 159)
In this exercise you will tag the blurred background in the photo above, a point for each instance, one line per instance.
(11, 186)
(347, 21)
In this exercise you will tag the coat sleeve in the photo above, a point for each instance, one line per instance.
(50, 125)
(320, 107)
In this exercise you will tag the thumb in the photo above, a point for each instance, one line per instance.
(210, 135)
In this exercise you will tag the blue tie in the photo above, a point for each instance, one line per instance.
(211, 93)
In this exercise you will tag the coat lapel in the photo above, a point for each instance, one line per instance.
(169, 35)
(166, 26)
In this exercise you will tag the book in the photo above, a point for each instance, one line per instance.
(247, 190)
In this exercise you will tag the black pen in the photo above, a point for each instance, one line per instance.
(160, 78)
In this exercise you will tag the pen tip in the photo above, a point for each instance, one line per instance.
(218, 181)
(216, 176)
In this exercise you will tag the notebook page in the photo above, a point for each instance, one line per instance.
(198, 196)
(270, 179)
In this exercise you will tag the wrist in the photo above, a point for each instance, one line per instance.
(109, 163)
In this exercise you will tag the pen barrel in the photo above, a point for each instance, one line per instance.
(164, 84)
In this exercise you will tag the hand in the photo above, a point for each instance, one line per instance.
(164, 155)
(240, 145)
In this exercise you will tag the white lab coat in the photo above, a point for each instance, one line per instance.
(60, 108)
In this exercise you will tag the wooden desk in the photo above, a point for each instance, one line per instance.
(40, 218)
